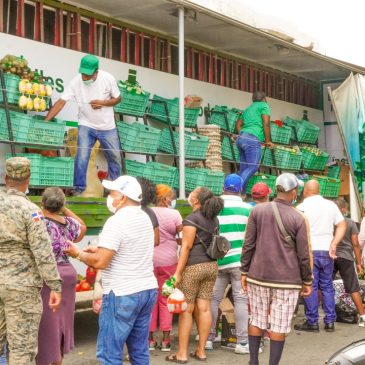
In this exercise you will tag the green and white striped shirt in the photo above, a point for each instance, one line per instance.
(232, 224)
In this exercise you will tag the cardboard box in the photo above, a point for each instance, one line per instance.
(229, 339)
(345, 181)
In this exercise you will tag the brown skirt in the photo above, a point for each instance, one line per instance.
(56, 330)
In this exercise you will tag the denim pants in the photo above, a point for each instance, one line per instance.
(125, 320)
(86, 139)
(322, 272)
(249, 147)
(233, 277)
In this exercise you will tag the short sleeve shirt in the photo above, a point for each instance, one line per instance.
(198, 253)
(252, 119)
(104, 88)
(60, 234)
(344, 249)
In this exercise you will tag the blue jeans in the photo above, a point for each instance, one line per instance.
(125, 320)
(249, 147)
(86, 139)
(322, 272)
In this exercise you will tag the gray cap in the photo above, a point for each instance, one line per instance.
(288, 181)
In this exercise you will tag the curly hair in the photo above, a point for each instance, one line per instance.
(210, 205)
(53, 199)
(148, 191)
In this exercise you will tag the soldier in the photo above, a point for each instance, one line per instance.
(26, 260)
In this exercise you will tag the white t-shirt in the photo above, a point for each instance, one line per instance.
(323, 215)
(104, 88)
(130, 234)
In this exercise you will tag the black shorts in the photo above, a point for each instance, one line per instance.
(348, 274)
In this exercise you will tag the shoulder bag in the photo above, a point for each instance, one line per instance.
(219, 245)
(282, 229)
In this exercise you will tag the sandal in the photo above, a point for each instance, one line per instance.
(173, 358)
(197, 357)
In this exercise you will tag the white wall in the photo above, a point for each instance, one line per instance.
(61, 63)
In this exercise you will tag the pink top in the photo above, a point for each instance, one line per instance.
(165, 254)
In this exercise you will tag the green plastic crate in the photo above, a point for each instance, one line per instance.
(132, 104)
(135, 168)
(159, 173)
(195, 177)
(334, 171)
(280, 135)
(329, 187)
(12, 88)
(227, 151)
(49, 171)
(218, 118)
(196, 146)
(32, 129)
(269, 180)
(283, 159)
(137, 137)
(313, 162)
(305, 132)
(157, 112)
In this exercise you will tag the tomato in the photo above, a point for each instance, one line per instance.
(77, 288)
(85, 286)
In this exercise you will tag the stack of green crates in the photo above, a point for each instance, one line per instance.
(305, 132)
(156, 172)
(196, 146)
(137, 137)
(195, 177)
(329, 187)
(227, 150)
(31, 129)
(12, 88)
(50, 171)
(217, 117)
(132, 104)
(269, 180)
(314, 158)
(285, 158)
(158, 112)
(281, 135)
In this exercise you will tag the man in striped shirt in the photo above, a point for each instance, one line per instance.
(232, 222)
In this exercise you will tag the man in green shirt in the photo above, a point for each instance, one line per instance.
(253, 130)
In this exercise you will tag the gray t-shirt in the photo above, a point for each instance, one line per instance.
(344, 249)
(198, 253)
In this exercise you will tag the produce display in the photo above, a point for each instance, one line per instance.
(131, 87)
(86, 283)
(17, 66)
(314, 150)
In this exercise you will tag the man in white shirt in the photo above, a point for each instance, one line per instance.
(125, 254)
(324, 218)
(95, 92)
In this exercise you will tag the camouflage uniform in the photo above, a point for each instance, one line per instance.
(26, 260)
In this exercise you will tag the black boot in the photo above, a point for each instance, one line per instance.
(329, 327)
(305, 326)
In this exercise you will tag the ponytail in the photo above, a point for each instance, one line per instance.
(210, 205)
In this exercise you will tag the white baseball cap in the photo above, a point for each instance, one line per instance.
(127, 185)
(288, 181)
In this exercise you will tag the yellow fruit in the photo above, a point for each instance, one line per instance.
(42, 90)
(37, 104)
(43, 105)
(49, 90)
(23, 102)
(23, 86)
(29, 88)
(29, 104)
(36, 88)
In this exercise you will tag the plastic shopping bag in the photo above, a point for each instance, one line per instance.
(176, 302)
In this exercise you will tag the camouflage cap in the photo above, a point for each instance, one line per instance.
(18, 168)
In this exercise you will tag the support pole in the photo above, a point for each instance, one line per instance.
(181, 105)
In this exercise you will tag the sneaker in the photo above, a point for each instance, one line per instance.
(242, 349)
(329, 327)
(361, 322)
(166, 346)
(305, 326)
(152, 345)
(218, 339)
(75, 193)
(209, 345)
(197, 337)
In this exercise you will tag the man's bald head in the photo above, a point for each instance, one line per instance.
(311, 188)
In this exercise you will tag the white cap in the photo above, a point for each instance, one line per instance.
(126, 185)
(288, 181)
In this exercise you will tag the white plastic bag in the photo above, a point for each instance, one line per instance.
(176, 302)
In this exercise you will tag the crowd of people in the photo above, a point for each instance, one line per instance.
(146, 242)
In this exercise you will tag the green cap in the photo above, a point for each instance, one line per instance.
(88, 65)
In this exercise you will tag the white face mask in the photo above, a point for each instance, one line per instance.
(189, 201)
(109, 204)
(173, 204)
(26, 192)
